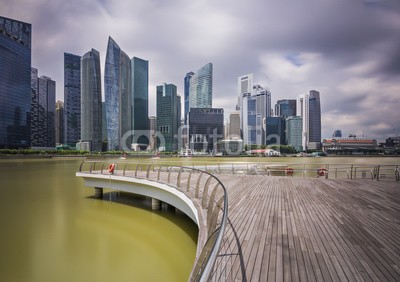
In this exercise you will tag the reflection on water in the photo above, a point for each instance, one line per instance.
(53, 230)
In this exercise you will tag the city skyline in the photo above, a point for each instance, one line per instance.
(346, 51)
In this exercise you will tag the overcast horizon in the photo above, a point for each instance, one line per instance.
(349, 51)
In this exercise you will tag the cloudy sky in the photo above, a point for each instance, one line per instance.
(348, 50)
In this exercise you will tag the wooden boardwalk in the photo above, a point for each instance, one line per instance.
(293, 229)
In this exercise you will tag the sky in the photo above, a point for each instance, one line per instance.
(348, 50)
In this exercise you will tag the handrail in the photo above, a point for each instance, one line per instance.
(205, 260)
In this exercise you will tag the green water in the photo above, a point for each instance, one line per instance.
(53, 230)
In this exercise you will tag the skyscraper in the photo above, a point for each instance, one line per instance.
(294, 129)
(140, 97)
(234, 125)
(254, 103)
(118, 98)
(201, 84)
(309, 108)
(72, 99)
(186, 92)
(285, 108)
(15, 83)
(168, 116)
(275, 131)
(59, 123)
(91, 106)
(43, 111)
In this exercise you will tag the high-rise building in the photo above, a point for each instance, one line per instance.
(275, 131)
(294, 132)
(337, 134)
(168, 117)
(15, 83)
(309, 108)
(206, 129)
(43, 108)
(201, 84)
(254, 104)
(153, 130)
(186, 94)
(72, 99)
(118, 97)
(59, 123)
(285, 108)
(140, 98)
(91, 106)
(234, 126)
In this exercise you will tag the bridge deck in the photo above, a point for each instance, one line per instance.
(290, 229)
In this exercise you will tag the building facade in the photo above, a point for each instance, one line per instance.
(275, 131)
(140, 98)
(43, 110)
(59, 123)
(206, 129)
(234, 126)
(118, 99)
(72, 99)
(15, 83)
(186, 94)
(168, 117)
(294, 132)
(309, 108)
(91, 105)
(285, 108)
(201, 88)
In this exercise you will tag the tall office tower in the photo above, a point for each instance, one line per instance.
(234, 125)
(200, 91)
(140, 98)
(254, 103)
(337, 134)
(153, 130)
(275, 131)
(59, 123)
(72, 99)
(186, 92)
(15, 83)
(206, 129)
(91, 106)
(118, 99)
(309, 108)
(168, 116)
(43, 110)
(285, 108)
(294, 132)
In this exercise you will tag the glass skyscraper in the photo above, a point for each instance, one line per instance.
(43, 111)
(285, 108)
(59, 123)
(72, 99)
(168, 116)
(15, 83)
(309, 108)
(91, 106)
(201, 84)
(140, 96)
(294, 128)
(186, 93)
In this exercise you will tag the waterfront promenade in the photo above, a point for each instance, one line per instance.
(295, 229)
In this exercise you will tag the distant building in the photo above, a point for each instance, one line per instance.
(72, 99)
(43, 110)
(350, 146)
(275, 130)
(91, 105)
(206, 129)
(186, 94)
(15, 83)
(168, 117)
(294, 132)
(59, 123)
(153, 130)
(201, 88)
(309, 108)
(255, 105)
(285, 108)
(234, 125)
(337, 134)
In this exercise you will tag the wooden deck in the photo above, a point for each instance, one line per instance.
(293, 229)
